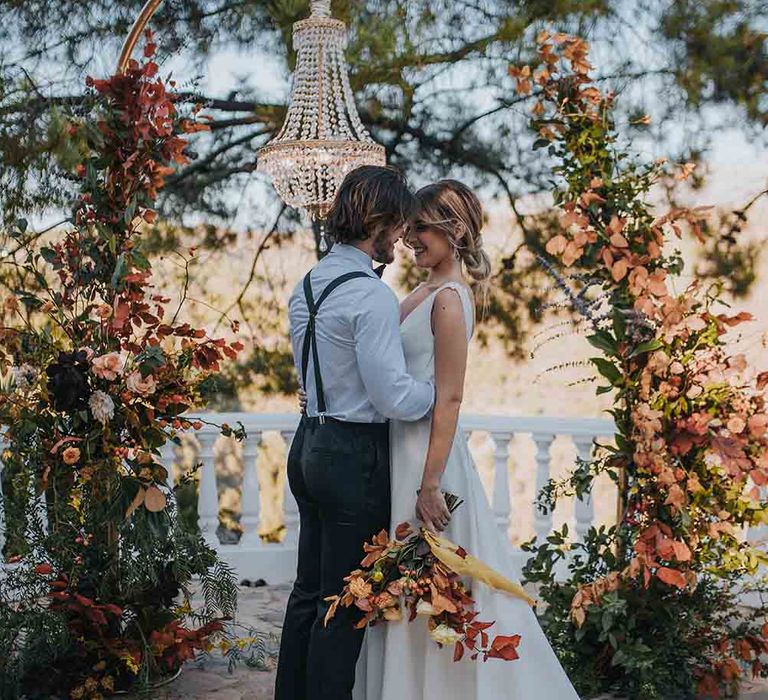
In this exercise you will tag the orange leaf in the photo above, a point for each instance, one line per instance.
(556, 245)
(672, 577)
(458, 651)
(619, 241)
(331, 609)
(619, 270)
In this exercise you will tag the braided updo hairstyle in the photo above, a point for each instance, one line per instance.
(454, 209)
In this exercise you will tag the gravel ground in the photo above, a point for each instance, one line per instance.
(263, 608)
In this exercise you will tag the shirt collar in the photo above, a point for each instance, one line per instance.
(353, 254)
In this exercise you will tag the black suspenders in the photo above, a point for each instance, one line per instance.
(310, 337)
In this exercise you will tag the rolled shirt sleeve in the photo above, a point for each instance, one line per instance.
(379, 351)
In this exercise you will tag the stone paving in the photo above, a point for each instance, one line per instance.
(259, 608)
(262, 609)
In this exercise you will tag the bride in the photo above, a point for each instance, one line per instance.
(399, 661)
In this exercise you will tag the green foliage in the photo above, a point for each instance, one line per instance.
(651, 607)
(97, 375)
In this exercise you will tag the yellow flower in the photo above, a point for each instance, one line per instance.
(130, 663)
(243, 642)
(225, 645)
(75, 500)
(377, 576)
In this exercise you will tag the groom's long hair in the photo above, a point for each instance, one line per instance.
(371, 199)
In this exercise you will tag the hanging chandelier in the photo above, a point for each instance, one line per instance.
(322, 138)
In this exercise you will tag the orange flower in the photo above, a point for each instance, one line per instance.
(71, 455)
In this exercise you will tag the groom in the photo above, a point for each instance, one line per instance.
(346, 344)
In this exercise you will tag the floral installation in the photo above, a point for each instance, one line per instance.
(98, 374)
(420, 573)
(650, 607)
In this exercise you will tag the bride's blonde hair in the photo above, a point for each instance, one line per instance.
(454, 209)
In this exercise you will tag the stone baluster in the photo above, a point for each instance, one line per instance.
(542, 522)
(501, 502)
(208, 498)
(168, 454)
(290, 507)
(583, 507)
(250, 512)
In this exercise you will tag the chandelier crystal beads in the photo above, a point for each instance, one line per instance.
(322, 138)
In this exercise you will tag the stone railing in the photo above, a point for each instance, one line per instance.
(255, 557)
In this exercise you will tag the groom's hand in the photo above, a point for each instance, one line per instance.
(302, 401)
(431, 509)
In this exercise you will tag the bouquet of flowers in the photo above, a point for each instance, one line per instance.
(421, 573)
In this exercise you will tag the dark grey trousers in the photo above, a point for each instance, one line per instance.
(339, 474)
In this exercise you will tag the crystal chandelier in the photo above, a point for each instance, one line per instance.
(322, 138)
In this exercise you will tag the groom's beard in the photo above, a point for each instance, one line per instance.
(383, 250)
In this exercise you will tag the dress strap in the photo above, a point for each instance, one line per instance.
(310, 335)
(467, 302)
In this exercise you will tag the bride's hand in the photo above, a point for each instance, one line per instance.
(432, 510)
(302, 401)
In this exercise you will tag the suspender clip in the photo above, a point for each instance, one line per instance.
(321, 418)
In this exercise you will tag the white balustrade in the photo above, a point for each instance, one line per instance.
(290, 507)
(208, 498)
(583, 508)
(276, 562)
(249, 495)
(168, 460)
(501, 501)
(542, 521)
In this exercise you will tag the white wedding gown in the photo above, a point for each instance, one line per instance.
(398, 660)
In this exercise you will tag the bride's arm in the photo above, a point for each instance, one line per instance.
(450, 333)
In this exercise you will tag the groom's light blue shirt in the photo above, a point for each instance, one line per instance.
(358, 341)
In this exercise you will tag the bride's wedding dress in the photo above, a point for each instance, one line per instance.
(399, 661)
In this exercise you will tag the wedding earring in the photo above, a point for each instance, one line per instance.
(323, 246)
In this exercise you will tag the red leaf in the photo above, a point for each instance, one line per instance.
(504, 647)
(458, 651)
(403, 530)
